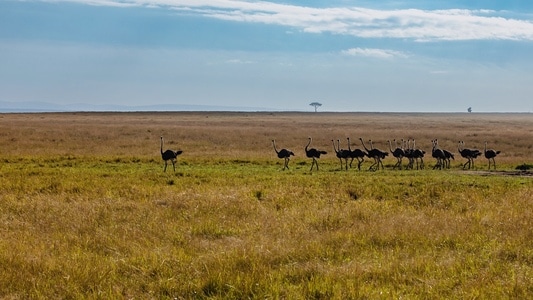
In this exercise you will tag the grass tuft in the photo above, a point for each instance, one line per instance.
(524, 167)
(353, 194)
(259, 195)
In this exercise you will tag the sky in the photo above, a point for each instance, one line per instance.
(378, 56)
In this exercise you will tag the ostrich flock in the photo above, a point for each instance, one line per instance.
(402, 150)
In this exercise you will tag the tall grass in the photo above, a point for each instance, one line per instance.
(105, 222)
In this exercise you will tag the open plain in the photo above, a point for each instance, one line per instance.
(86, 210)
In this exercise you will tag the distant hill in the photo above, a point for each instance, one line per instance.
(36, 106)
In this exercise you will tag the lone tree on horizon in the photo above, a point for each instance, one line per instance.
(316, 105)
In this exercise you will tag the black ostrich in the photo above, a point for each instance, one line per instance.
(469, 154)
(409, 153)
(490, 154)
(314, 154)
(283, 153)
(398, 153)
(448, 156)
(381, 154)
(356, 154)
(414, 155)
(341, 153)
(376, 154)
(169, 155)
(465, 153)
(418, 154)
(438, 154)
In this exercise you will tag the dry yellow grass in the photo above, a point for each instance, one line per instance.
(233, 135)
(87, 212)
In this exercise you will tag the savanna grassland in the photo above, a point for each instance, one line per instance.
(86, 210)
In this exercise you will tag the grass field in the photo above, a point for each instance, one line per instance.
(86, 210)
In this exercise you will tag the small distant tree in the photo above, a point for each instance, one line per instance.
(316, 105)
(469, 109)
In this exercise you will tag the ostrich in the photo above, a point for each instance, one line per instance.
(314, 154)
(418, 154)
(409, 153)
(448, 155)
(398, 153)
(380, 154)
(376, 154)
(465, 153)
(413, 154)
(438, 154)
(475, 153)
(341, 153)
(469, 154)
(490, 154)
(169, 155)
(356, 153)
(283, 153)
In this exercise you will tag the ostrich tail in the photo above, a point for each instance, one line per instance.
(498, 152)
(323, 152)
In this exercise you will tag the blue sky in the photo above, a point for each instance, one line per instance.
(397, 56)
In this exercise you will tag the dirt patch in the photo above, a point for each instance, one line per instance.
(501, 173)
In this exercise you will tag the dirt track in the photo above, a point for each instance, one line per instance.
(501, 173)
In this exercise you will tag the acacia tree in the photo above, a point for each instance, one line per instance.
(316, 105)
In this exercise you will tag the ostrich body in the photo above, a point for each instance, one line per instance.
(356, 154)
(490, 155)
(408, 153)
(379, 154)
(169, 155)
(283, 153)
(376, 154)
(465, 153)
(398, 153)
(314, 154)
(341, 153)
(417, 155)
(469, 154)
(448, 156)
(438, 154)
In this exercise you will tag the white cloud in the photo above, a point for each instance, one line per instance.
(376, 53)
(416, 24)
(113, 3)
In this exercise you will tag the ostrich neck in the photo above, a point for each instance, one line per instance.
(364, 146)
(274, 143)
(306, 146)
